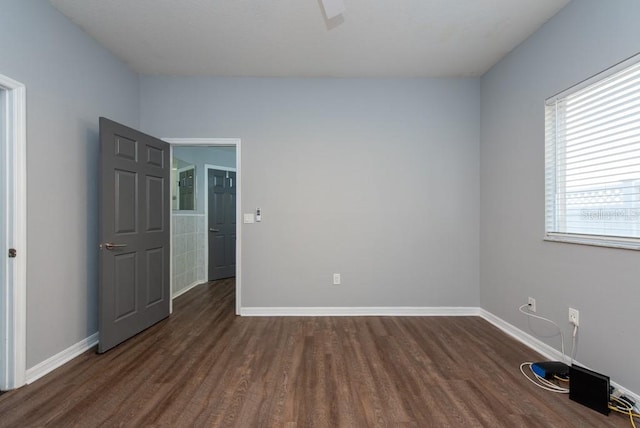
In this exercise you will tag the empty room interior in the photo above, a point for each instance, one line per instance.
(320, 213)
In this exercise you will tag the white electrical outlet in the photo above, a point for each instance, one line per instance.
(336, 279)
(574, 317)
(532, 304)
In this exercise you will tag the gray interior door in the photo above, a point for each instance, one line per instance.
(221, 187)
(134, 233)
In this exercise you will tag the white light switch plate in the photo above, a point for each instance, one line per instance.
(248, 218)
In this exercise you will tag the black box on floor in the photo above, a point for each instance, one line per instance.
(589, 388)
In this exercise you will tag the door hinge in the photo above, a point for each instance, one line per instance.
(12, 253)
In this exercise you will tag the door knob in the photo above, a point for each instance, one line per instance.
(111, 246)
(214, 230)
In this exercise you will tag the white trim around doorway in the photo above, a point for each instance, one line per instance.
(13, 288)
(213, 142)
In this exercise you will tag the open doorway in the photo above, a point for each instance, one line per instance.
(13, 234)
(192, 159)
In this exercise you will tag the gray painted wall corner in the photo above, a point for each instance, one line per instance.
(586, 37)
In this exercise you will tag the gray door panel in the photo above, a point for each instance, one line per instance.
(222, 223)
(134, 275)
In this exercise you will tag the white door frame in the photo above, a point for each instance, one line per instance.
(13, 288)
(207, 167)
(213, 142)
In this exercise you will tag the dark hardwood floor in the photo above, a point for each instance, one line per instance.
(206, 367)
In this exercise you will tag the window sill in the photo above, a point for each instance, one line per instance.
(595, 241)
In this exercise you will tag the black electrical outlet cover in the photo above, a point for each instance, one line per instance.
(589, 388)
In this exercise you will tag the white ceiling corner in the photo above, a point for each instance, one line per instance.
(292, 38)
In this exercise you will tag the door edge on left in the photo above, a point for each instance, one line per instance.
(13, 287)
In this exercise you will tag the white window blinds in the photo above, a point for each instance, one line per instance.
(592, 158)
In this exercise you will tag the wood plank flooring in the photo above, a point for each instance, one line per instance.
(205, 367)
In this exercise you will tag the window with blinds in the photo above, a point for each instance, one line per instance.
(592, 159)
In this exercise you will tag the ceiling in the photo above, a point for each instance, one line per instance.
(292, 38)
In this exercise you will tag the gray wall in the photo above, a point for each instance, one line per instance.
(199, 156)
(70, 81)
(375, 179)
(583, 39)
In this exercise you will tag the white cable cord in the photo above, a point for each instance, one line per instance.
(542, 382)
(529, 314)
(573, 344)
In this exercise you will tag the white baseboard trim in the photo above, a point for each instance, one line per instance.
(52, 363)
(399, 311)
(529, 340)
(187, 288)
(541, 347)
